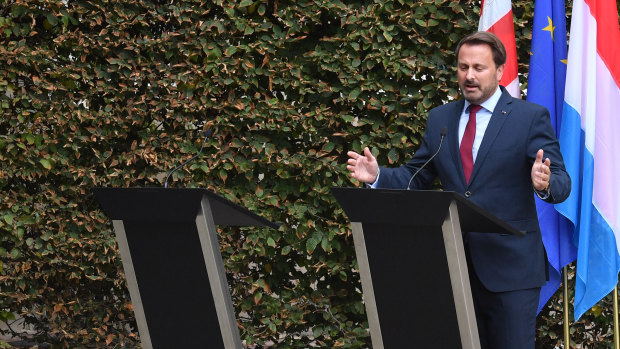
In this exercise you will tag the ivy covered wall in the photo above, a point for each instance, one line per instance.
(116, 93)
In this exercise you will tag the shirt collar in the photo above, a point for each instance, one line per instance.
(490, 103)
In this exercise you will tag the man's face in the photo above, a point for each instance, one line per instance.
(477, 74)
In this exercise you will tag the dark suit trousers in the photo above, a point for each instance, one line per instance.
(506, 320)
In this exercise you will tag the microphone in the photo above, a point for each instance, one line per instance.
(444, 130)
(207, 134)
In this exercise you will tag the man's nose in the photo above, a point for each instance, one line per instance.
(470, 74)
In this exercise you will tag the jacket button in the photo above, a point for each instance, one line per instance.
(467, 194)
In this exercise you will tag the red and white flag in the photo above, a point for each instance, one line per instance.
(496, 17)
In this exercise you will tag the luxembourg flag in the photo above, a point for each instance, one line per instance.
(590, 143)
(545, 86)
(496, 17)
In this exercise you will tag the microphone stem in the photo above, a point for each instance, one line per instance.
(429, 160)
(184, 163)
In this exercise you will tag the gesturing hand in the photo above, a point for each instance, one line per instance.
(541, 172)
(364, 168)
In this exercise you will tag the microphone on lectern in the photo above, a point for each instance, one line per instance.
(207, 134)
(444, 130)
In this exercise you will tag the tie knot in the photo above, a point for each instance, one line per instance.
(474, 108)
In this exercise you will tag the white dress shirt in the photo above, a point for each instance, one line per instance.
(483, 116)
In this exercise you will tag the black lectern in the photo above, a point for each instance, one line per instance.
(412, 264)
(171, 257)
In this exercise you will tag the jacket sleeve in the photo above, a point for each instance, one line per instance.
(542, 136)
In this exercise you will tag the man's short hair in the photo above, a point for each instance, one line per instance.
(485, 38)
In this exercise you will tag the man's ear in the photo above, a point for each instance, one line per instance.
(500, 72)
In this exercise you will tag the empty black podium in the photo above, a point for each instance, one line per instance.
(412, 264)
(171, 257)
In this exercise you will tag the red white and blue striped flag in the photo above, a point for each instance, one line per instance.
(590, 143)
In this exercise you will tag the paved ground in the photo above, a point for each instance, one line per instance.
(17, 326)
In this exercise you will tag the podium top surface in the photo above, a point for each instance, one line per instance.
(173, 204)
(417, 207)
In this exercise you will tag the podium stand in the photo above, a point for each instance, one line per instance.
(412, 265)
(171, 257)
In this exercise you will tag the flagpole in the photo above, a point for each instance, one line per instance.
(566, 327)
(616, 334)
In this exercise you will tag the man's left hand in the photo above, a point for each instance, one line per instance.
(541, 172)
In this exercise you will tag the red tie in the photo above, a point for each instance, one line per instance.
(467, 142)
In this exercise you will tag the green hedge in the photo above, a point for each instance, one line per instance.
(116, 93)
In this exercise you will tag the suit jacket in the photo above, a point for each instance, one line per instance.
(500, 183)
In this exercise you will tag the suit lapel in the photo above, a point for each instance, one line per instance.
(453, 134)
(500, 113)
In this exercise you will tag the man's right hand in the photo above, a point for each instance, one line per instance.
(364, 168)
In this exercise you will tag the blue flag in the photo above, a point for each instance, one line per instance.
(545, 86)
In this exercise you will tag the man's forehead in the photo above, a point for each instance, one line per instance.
(481, 52)
(476, 46)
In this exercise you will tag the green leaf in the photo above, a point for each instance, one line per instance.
(230, 51)
(5, 315)
(387, 36)
(223, 174)
(354, 93)
(8, 218)
(271, 242)
(15, 253)
(326, 245)
(286, 250)
(29, 138)
(46, 163)
(317, 331)
(52, 19)
(258, 296)
(311, 244)
(328, 147)
(393, 155)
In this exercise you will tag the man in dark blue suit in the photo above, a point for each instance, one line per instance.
(492, 150)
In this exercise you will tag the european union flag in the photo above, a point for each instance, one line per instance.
(545, 86)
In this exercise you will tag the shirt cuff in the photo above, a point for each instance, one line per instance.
(543, 194)
(373, 185)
